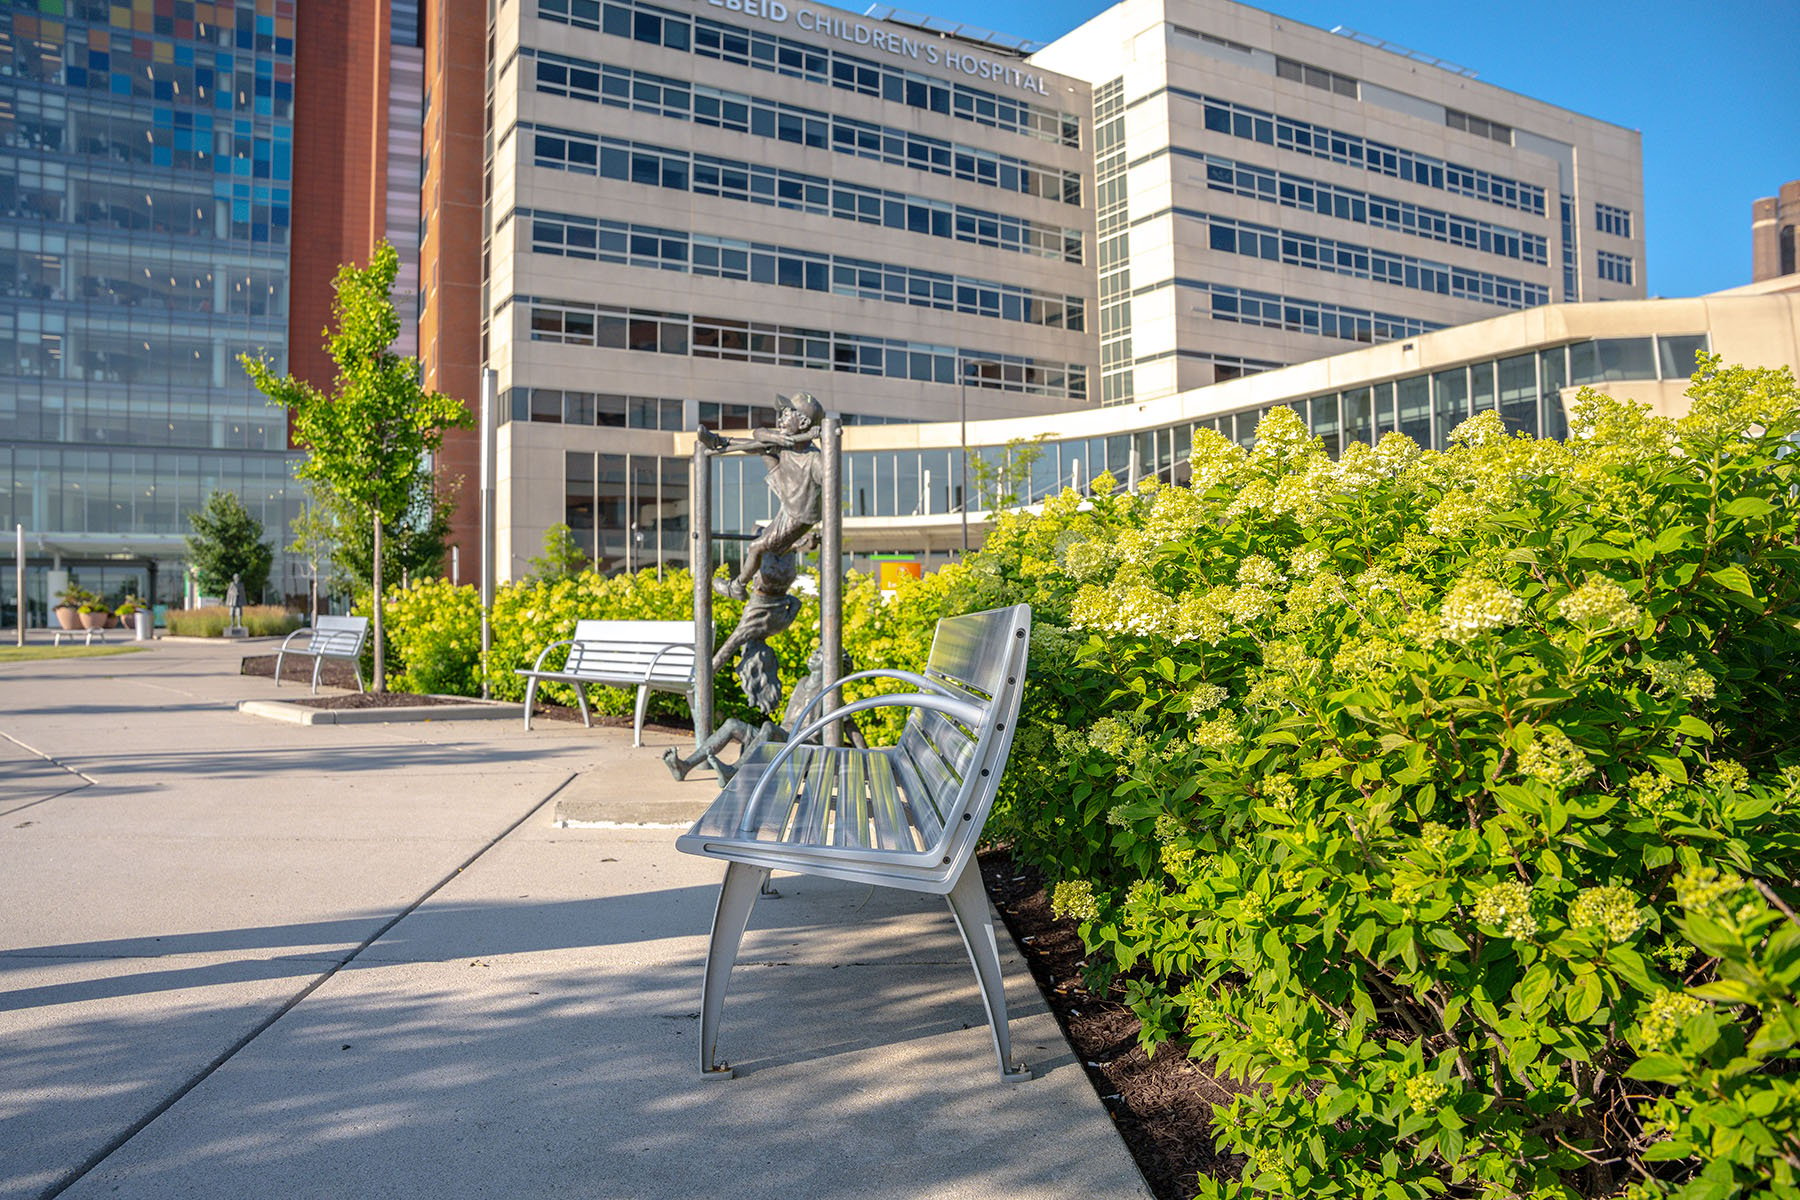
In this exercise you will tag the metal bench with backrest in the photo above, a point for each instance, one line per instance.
(331, 637)
(647, 655)
(903, 816)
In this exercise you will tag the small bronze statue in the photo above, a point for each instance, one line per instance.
(758, 675)
(234, 601)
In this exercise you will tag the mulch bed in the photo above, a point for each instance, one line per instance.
(384, 700)
(1162, 1105)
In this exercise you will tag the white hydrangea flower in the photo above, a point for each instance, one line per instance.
(1476, 606)
(1599, 604)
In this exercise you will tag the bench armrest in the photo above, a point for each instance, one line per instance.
(650, 670)
(912, 677)
(968, 713)
(289, 640)
(539, 664)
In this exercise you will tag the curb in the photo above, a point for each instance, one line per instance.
(300, 714)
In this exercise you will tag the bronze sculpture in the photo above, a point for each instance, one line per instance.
(770, 563)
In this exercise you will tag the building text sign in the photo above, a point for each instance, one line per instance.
(874, 37)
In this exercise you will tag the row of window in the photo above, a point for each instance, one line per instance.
(1301, 315)
(1525, 389)
(1319, 77)
(556, 406)
(236, 75)
(1366, 208)
(1316, 141)
(1494, 131)
(52, 191)
(627, 512)
(159, 414)
(573, 323)
(1365, 262)
(816, 64)
(1609, 219)
(113, 491)
(733, 179)
(683, 100)
(728, 258)
(134, 139)
(1617, 268)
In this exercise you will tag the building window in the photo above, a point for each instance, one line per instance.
(1319, 77)
(1616, 221)
(1479, 126)
(1616, 268)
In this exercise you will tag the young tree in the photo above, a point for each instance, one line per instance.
(369, 439)
(228, 541)
(563, 557)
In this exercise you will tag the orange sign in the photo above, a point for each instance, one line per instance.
(890, 571)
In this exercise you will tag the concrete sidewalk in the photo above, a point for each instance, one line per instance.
(244, 958)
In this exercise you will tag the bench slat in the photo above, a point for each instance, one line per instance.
(972, 650)
(813, 804)
(887, 813)
(852, 825)
(915, 794)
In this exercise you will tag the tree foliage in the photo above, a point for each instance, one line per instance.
(369, 440)
(563, 557)
(227, 540)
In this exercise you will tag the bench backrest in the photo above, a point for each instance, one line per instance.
(339, 637)
(948, 770)
(632, 648)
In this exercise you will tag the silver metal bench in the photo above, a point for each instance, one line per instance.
(647, 655)
(332, 637)
(904, 816)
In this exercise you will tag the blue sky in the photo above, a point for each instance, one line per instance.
(1714, 89)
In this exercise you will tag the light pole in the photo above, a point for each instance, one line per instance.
(962, 377)
(19, 532)
(487, 524)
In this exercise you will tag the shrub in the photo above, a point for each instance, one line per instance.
(260, 620)
(1393, 784)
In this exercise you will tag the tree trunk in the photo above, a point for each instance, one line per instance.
(378, 680)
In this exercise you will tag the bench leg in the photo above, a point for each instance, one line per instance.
(356, 665)
(643, 702)
(975, 921)
(279, 655)
(587, 721)
(318, 662)
(530, 695)
(737, 896)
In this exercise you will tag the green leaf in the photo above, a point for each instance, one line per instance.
(1748, 506)
(1583, 1000)
(1663, 1068)
(1734, 579)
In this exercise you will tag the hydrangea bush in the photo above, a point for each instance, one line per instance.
(1444, 799)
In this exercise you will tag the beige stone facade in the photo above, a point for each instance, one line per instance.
(1271, 192)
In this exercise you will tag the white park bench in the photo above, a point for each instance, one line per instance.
(647, 655)
(330, 637)
(903, 816)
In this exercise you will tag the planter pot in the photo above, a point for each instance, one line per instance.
(94, 620)
(141, 620)
(68, 617)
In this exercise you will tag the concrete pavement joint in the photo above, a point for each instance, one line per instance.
(47, 758)
(107, 1151)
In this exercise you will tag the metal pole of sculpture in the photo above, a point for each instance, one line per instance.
(831, 572)
(700, 490)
